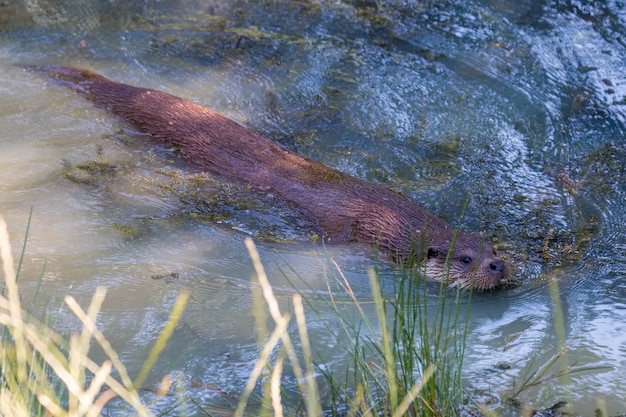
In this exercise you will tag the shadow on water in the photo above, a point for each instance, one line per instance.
(516, 107)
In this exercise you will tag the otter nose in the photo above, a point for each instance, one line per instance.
(497, 267)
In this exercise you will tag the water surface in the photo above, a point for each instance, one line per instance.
(489, 104)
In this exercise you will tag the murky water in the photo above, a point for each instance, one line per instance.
(517, 108)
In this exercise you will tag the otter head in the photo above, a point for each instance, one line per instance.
(469, 262)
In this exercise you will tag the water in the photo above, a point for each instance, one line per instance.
(483, 102)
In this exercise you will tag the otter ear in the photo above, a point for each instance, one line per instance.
(433, 252)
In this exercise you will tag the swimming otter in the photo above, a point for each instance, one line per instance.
(342, 208)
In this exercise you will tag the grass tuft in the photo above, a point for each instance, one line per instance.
(405, 362)
(47, 374)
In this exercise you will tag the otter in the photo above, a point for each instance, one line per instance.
(340, 207)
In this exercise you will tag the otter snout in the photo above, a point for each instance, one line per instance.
(496, 273)
(497, 267)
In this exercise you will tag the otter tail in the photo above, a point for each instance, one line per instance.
(203, 136)
(77, 79)
(152, 111)
(113, 96)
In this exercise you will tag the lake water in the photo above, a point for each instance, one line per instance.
(516, 109)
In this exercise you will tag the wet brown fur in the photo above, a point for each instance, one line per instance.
(342, 208)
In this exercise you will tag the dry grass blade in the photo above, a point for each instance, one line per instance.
(277, 373)
(15, 308)
(277, 334)
(175, 316)
(414, 392)
(79, 348)
(390, 360)
(311, 391)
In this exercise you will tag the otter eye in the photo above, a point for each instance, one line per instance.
(466, 260)
(432, 253)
